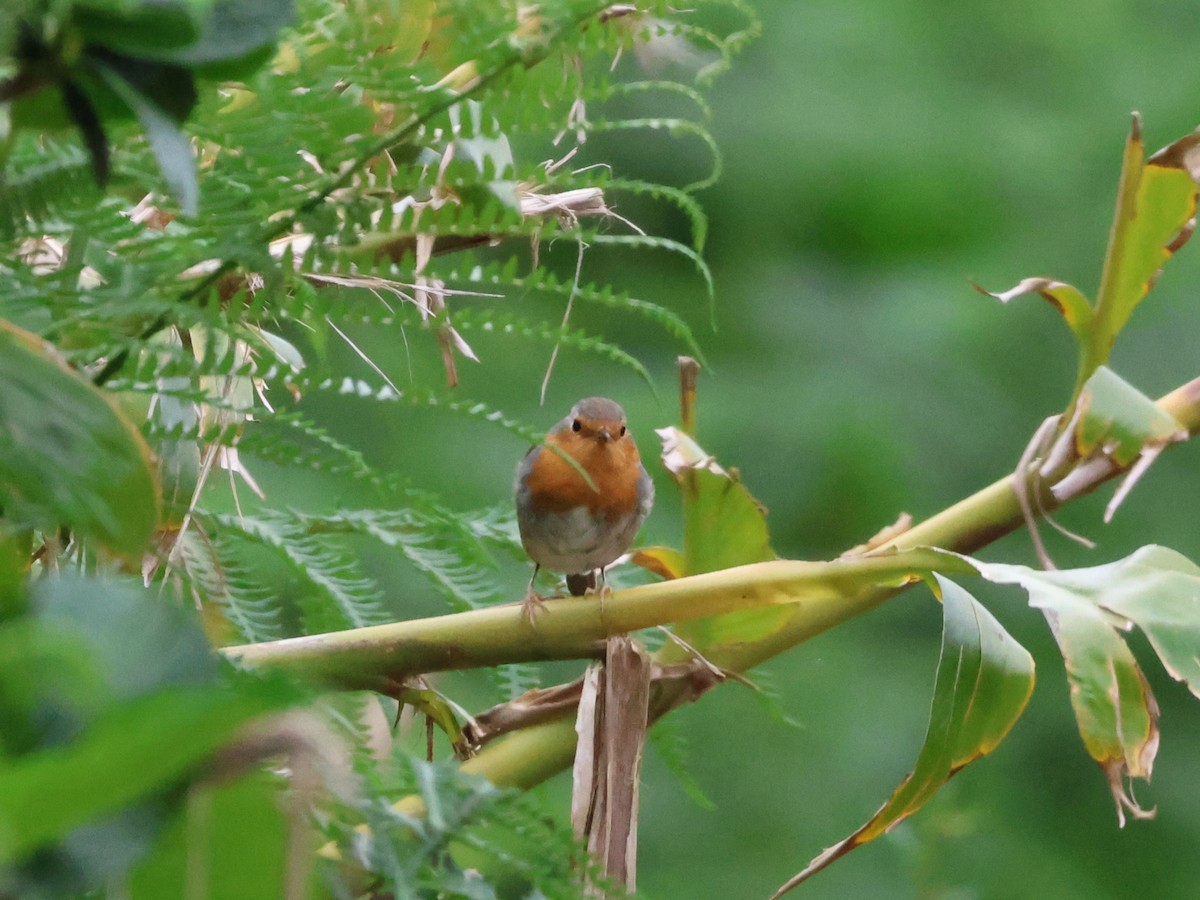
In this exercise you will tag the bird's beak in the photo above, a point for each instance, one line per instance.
(604, 435)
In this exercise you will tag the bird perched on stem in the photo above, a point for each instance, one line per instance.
(581, 496)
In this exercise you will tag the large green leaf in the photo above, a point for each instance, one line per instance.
(233, 29)
(142, 29)
(1088, 609)
(111, 700)
(67, 456)
(984, 680)
(136, 749)
(234, 839)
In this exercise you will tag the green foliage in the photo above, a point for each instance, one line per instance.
(182, 301)
(984, 680)
(400, 174)
(54, 422)
(113, 705)
(91, 64)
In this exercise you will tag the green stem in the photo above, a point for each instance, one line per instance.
(574, 628)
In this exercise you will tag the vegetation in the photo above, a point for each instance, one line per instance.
(258, 279)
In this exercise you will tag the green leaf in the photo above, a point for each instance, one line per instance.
(139, 643)
(984, 680)
(1088, 609)
(14, 552)
(171, 146)
(1155, 216)
(146, 30)
(1159, 591)
(48, 684)
(1121, 419)
(233, 30)
(724, 526)
(232, 838)
(67, 456)
(135, 750)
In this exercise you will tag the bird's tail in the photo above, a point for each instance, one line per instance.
(578, 585)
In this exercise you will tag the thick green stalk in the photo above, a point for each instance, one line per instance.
(574, 628)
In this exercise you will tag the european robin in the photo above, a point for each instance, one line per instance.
(568, 525)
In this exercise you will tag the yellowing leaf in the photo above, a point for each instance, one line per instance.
(67, 456)
(984, 680)
(662, 561)
(1070, 303)
(1088, 609)
(1155, 216)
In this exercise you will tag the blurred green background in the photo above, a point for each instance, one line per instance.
(877, 158)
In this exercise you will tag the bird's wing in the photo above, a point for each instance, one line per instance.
(645, 492)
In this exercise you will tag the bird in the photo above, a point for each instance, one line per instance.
(568, 525)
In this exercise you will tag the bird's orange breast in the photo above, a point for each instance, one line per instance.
(614, 467)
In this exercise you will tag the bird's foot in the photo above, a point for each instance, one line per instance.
(601, 593)
(532, 606)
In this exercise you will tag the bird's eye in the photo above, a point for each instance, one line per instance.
(623, 431)
(576, 426)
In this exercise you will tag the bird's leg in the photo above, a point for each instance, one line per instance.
(602, 592)
(534, 602)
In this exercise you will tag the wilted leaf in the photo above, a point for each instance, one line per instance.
(1070, 303)
(1155, 216)
(1156, 589)
(984, 680)
(68, 457)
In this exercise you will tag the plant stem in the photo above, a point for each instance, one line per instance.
(574, 628)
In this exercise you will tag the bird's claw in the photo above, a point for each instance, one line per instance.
(533, 605)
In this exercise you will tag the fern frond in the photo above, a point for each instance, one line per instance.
(537, 330)
(424, 398)
(680, 198)
(671, 747)
(439, 546)
(338, 595)
(674, 128)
